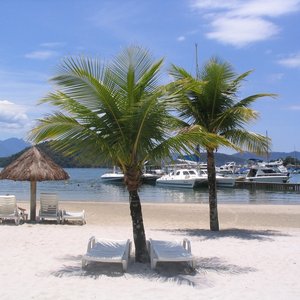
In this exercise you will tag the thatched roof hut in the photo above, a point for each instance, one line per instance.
(33, 166)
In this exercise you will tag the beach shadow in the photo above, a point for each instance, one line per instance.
(221, 266)
(93, 270)
(243, 234)
(180, 273)
(10, 223)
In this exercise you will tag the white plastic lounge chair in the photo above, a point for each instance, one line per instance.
(73, 215)
(49, 207)
(9, 209)
(170, 251)
(107, 251)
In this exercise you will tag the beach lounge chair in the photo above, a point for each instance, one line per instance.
(73, 215)
(170, 251)
(9, 209)
(107, 251)
(49, 207)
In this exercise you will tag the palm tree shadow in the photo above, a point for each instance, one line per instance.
(243, 234)
(180, 272)
(221, 266)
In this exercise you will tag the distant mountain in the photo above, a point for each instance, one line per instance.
(272, 155)
(11, 146)
(242, 158)
(75, 161)
(220, 158)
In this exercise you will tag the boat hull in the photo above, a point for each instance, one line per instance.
(182, 183)
(225, 182)
(268, 179)
(112, 177)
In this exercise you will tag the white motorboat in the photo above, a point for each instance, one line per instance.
(225, 181)
(150, 177)
(278, 164)
(117, 176)
(185, 178)
(260, 173)
(229, 168)
(222, 180)
(114, 176)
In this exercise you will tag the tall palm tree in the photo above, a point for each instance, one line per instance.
(211, 101)
(115, 113)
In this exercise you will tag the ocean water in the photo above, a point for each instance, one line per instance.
(86, 185)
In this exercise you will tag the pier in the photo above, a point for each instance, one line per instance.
(286, 187)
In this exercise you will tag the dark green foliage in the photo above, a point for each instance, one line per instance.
(75, 161)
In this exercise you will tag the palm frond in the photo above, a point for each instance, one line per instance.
(246, 102)
(249, 141)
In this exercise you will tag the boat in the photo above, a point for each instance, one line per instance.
(222, 180)
(184, 178)
(261, 173)
(228, 168)
(225, 181)
(115, 176)
(275, 164)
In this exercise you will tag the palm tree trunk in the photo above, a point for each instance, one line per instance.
(212, 190)
(141, 252)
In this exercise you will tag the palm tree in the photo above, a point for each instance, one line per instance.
(115, 113)
(211, 101)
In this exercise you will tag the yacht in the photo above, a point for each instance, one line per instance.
(185, 178)
(228, 168)
(222, 180)
(261, 173)
(115, 176)
(276, 164)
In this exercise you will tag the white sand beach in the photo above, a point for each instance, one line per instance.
(255, 255)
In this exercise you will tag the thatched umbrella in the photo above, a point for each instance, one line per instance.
(33, 166)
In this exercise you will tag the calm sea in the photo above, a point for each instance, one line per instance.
(85, 184)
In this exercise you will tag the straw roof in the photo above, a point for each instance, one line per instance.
(33, 165)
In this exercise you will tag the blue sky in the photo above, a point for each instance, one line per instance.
(263, 36)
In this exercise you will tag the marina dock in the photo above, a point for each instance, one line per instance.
(288, 187)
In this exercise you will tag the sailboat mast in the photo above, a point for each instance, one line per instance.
(197, 66)
(268, 147)
(198, 77)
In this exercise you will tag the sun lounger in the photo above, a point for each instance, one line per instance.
(73, 215)
(170, 251)
(49, 207)
(107, 251)
(9, 209)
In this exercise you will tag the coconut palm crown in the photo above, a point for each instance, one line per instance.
(211, 101)
(115, 113)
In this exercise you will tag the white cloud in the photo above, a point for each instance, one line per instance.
(240, 31)
(293, 61)
(294, 107)
(239, 22)
(12, 116)
(181, 38)
(214, 4)
(275, 77)
(52, 44)
(41, 55)
(268, 8)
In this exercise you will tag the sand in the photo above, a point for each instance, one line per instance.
(255, 255)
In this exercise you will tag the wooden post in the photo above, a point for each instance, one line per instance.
(33, 201)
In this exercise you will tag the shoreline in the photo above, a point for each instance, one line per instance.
(184, 215)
